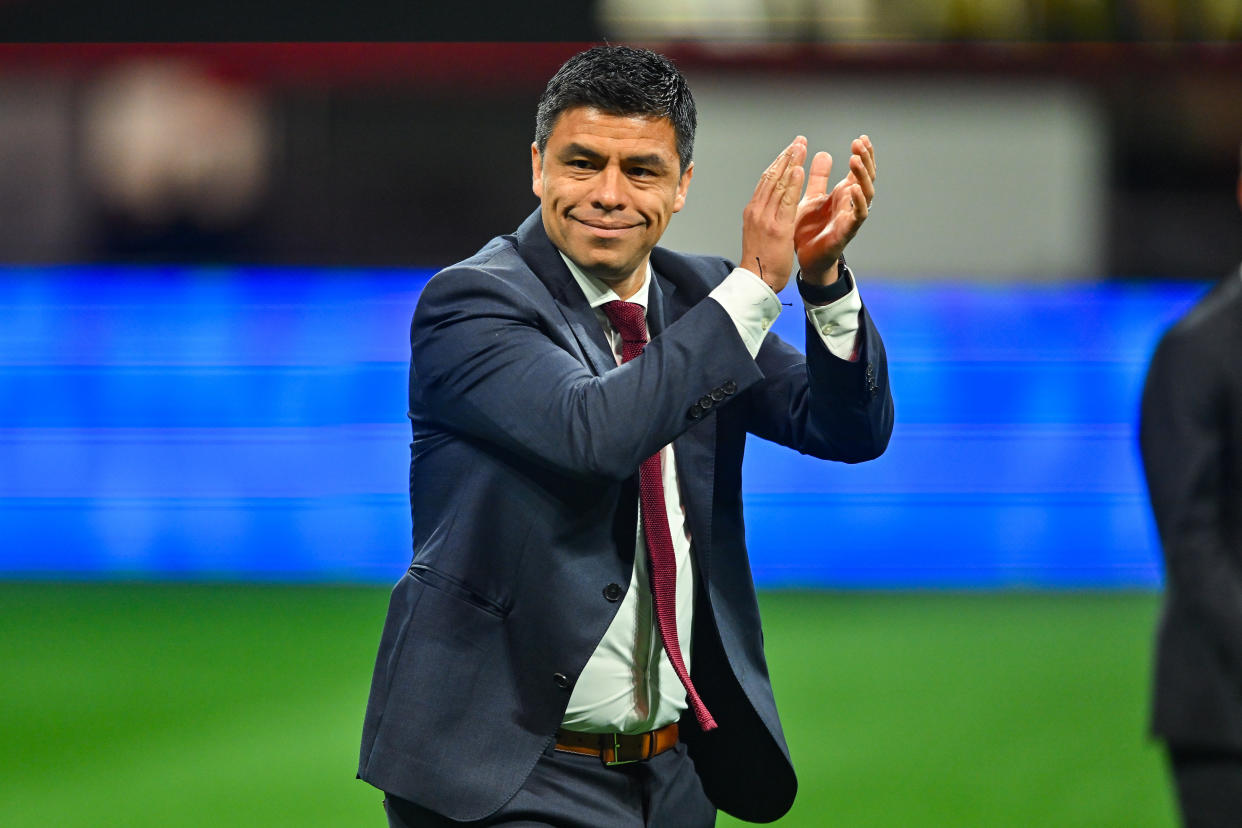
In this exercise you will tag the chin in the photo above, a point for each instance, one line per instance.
(605, 272)
(605, 268)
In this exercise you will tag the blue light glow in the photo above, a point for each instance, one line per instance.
(250, 423)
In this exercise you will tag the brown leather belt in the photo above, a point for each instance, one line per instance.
(618, 748)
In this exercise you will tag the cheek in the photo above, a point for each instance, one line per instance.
(667, 208)
(562, 192)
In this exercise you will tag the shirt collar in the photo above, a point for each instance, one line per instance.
(597, 292)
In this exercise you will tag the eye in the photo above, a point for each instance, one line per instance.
(641, 172)
(581, 164)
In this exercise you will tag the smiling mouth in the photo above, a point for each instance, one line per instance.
(605, 229)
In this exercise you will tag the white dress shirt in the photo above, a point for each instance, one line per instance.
(629, 685)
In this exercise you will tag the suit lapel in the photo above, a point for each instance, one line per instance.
(542, 257)
(660, 303)
(695, 449)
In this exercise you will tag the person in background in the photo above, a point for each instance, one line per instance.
(1191, 440)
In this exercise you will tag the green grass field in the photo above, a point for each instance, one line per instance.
(223, 705)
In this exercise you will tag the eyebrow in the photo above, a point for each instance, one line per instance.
(653, 160)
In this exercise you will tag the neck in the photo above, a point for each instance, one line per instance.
(623, 286)
(628, 286)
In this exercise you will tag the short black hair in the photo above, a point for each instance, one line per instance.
(620, 80)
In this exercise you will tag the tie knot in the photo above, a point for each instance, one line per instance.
(629, 318)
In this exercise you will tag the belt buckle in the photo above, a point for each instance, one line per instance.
(616, 754)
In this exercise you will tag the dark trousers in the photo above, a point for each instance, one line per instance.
(1209, 786)
(569, 790)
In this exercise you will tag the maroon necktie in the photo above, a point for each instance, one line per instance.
(630, 321)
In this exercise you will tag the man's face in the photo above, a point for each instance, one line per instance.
(608, 185)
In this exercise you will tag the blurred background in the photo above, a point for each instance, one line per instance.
(210, 255)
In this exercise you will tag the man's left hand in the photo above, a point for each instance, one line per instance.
(826, 221)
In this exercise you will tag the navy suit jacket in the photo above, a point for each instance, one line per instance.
(527, 437)
(1191, 438)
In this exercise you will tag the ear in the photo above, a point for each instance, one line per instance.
(682, 187)
(536, 171)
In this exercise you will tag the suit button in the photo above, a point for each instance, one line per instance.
(562, 681)
(730, 387)
(718, 394)
(695, 412)
(613, 592)
(705, 402)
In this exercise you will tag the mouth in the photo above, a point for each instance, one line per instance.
(603, 229)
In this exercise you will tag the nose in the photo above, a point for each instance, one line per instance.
(609, 191)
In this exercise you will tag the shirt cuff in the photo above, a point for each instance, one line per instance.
(750, 303)
(837, 321)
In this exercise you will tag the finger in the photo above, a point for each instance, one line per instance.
(863, 147)
(789, 188)
(859, 201)
(817, 181)
(788, 203)
(776, 170)
(769, 175)
(858, 172)
(781, 198)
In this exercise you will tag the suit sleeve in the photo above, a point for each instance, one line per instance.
(490, 361)
(820, 404)
(1182, 436)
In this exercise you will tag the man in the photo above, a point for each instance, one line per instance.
(577, 641)
(1191, 439)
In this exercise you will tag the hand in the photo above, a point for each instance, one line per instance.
(826, 221)
(768, 220)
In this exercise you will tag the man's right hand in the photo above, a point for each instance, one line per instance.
(768, 220)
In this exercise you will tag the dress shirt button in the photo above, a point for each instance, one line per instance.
(613, 592)
(828, 328)
(729, 387)
(562, 681)
(705, 402)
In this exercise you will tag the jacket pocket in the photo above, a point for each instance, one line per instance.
(442, 582)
